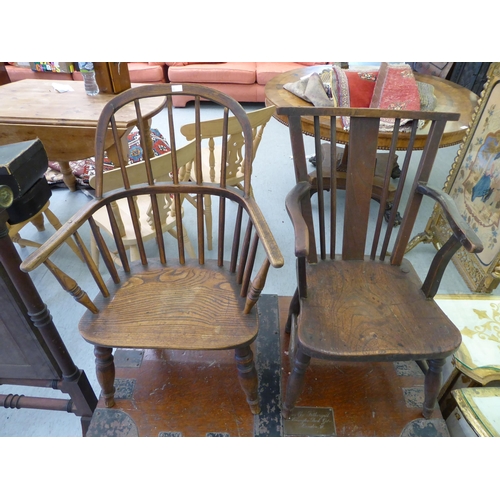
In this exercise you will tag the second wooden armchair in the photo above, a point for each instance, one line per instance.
(357, 298)
(165, 300)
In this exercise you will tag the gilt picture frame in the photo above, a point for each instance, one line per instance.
(474, 184)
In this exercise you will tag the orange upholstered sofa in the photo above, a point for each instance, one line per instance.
(243, 81)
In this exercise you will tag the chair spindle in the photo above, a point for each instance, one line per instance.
(104, 250)
(236, 240)
(249, 265)
(320, 192)
(244, 252)
(333, 185)
(118, 240)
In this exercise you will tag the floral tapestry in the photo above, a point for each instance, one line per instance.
(476, 188)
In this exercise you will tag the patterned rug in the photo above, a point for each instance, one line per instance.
(84, 169)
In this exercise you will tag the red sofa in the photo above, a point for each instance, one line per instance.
(243, 81)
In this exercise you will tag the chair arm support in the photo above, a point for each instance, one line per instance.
(293, 203)
(462, 235)
(462, 231)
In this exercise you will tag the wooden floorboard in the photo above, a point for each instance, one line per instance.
(182, 393)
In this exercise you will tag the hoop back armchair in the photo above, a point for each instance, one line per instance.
(165, 299)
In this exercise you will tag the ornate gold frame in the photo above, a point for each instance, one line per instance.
(480, 274)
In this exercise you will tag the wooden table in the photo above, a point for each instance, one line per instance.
(64, 122)
(450, 97)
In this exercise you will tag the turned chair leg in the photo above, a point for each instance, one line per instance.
(296, 381)
(105, 370)
(293, 309)
(432, 385)
(247, 375)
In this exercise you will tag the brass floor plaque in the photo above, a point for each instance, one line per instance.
(310, 421)
(128, 358)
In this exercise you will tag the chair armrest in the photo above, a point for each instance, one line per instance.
(467, 237)
(265, 235)
(293, 203)
(41, 254)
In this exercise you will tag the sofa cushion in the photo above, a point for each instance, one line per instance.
(227, 72)
(241, 93)
(312, 63)
(268, 70)
(188, 63)
(145, 72)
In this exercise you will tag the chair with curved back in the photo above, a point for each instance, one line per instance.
(357, 299)
(166, 300)
(212, 153)
(161, 167)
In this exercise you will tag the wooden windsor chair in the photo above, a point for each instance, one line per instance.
(165, 300)
(357, 299)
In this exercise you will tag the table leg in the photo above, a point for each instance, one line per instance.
(68, 177)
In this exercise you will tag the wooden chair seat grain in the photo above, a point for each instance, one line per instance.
(195, 319)
(377, 311)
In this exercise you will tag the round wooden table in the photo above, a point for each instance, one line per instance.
(450, 97)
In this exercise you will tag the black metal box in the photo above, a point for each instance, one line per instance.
(22, 168)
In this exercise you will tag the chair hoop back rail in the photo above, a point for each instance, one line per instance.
(165, 299)
(360, 300)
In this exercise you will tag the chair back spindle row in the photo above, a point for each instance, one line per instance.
(162, 179)
(359, 221)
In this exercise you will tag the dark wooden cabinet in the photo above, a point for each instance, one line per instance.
(32, 352)
(23, 353)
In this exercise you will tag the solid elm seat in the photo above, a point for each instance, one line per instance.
(384, 302)
(195, 320)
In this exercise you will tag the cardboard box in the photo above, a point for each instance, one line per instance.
(55, 67)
